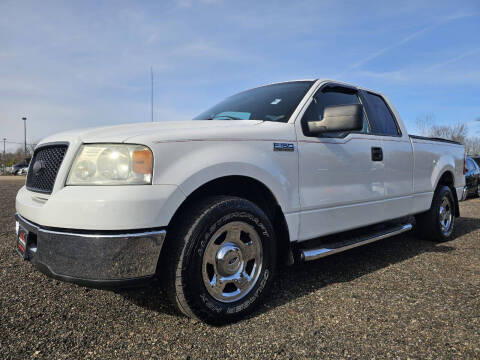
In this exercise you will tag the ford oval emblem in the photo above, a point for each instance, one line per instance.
(38, 167)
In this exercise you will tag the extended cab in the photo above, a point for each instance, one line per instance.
(211, 205)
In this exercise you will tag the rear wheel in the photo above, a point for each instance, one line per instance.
(221, 259)
(437, 224)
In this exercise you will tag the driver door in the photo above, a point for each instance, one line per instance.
(341, 175)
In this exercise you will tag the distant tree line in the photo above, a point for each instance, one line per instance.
(458, 132)
(17, 156)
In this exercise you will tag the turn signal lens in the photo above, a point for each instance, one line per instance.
(142, 161)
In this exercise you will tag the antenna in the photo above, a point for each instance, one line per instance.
(151, 97)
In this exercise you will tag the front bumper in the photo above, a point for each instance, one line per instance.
(104, 258)
(98, 208)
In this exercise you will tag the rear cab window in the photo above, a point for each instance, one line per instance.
(381, 118)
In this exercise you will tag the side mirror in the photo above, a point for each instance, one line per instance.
(338, 118)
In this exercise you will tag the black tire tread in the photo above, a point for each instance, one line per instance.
(179, 247)
(176, 250)
(427, 226)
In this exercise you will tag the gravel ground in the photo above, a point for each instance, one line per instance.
(397, 298)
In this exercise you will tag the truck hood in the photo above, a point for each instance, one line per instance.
(157, 131)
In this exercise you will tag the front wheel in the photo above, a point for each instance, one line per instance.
(437, 224)
(221, 259)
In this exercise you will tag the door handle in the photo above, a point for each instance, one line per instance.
(377, 154)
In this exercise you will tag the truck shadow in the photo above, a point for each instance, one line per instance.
(302, 279)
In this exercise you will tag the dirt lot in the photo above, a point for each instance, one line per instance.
(398, 298)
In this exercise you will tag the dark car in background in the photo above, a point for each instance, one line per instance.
(476, 159)
(19, 169)
(472, 177)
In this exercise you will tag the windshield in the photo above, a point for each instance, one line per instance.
(270, 103)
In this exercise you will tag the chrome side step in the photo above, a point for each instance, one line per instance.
(334, 248)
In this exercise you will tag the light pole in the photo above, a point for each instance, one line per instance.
(25, 133)
(4, 162)
(151, 89)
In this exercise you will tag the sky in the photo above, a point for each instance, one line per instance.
(76, 64)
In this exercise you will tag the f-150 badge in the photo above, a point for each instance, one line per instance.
(283, 147)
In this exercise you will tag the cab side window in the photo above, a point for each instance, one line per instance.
(331, 96)
(382, 119)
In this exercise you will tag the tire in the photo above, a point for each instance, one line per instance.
(221, 259)
(478, 191)
(437, 224)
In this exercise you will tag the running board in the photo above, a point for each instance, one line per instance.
(334, 248)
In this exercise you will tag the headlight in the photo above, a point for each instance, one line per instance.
(112, 164)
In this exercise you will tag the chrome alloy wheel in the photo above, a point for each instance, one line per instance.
(446, 216)
(232, 261)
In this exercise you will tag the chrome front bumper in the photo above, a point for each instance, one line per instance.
(104, 258)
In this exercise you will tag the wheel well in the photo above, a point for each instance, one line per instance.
(448, 179)
(252, 190)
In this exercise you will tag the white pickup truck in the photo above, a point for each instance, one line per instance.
(212, 205)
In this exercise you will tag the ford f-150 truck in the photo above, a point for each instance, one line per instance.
(291, 171)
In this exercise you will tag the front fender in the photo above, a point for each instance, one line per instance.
(194, 163)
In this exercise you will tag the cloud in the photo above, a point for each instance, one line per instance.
(391, 47)
(410, 37)
(420, 75)
(76, 64)
(455, 59)
(189, 3)
(438, 73)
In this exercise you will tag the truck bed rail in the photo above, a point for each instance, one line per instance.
(434, 139)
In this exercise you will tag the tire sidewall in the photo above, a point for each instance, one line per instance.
(200, 301)
(444, 191)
